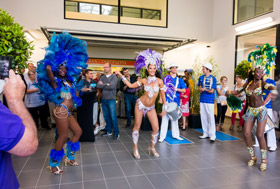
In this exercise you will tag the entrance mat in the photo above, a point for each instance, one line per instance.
(221, 136)
(170, 140)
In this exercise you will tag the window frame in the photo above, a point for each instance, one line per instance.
(277, 43)
(234, 9)
(119, 15)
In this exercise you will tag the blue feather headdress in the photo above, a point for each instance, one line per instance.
(69, 52)
(147, 57)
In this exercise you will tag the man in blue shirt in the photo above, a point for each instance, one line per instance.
(207, 85)
(271, 135)
(18, 134)
(180, 87)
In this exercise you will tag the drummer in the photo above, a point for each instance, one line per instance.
(172, 95)
(271, 135)
(207, 83)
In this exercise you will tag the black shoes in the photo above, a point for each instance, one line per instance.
(116, 137)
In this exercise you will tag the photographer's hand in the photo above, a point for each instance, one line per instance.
(14, 88)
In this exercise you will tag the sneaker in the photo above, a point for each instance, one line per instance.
(106, 134)
(179, 138)
(116, 137)
(212, 141)
(96, 130)
(272, 149)
(160, 140)
(203, 136)
(256, 145)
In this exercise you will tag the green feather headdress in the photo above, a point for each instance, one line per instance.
(263, 58)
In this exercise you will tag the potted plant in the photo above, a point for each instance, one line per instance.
(194, 118)
(13, 42)
(242, 69)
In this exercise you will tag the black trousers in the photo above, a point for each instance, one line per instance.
(221, 113)
(41, 112)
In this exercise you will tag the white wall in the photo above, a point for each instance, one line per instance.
(187, 18)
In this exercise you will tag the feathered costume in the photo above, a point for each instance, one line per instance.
(147, 57)
(71, 53)
(264, 58)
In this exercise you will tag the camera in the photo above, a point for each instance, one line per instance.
(5, 66)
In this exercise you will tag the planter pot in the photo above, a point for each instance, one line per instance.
(194, 121)
(146, 126)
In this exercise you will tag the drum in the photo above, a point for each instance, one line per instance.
(173, 111)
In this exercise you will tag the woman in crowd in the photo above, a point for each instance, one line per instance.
(57, 76)
(145, 105)
(35, 102)
(221, 103)
(242, 96)
(254, 87)
(184, 104)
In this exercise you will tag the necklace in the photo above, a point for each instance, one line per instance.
(151, 79)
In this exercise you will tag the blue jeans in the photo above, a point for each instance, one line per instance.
(110, 116)
(130, 101)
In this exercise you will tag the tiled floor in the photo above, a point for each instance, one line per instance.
(109, 164)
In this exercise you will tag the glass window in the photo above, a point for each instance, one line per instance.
(131, 12)
(248, 43)
(89, 8)
(71, 6)
(151, 14)
(248, 9)
(139, 12)
(109, 10)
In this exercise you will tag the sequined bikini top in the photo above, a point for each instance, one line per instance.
(65, 90)
(151, 90)
(257, 91)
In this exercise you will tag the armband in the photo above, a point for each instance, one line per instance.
(138, 83)
(274, 91)
(164, 88)
(268, 85)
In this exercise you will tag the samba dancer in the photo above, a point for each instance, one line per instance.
(262, 61)
(145, 105)
(65, 58)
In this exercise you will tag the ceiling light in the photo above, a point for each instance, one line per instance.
(186, 46)
(251, 26)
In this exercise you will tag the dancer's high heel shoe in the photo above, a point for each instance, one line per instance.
(57, 172)
(263, 165)
(70, 162)
(252, 161)
(136, 154)
(153, 151)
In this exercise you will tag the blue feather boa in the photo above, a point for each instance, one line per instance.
(57, 155)
(74, 146)
(67, 50)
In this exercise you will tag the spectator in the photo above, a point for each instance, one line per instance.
(184, 104)
(35, 102)
(85, 111)
(221, 103)
(108, 84)
(242, 96)
(19, 125)
(129, 95)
